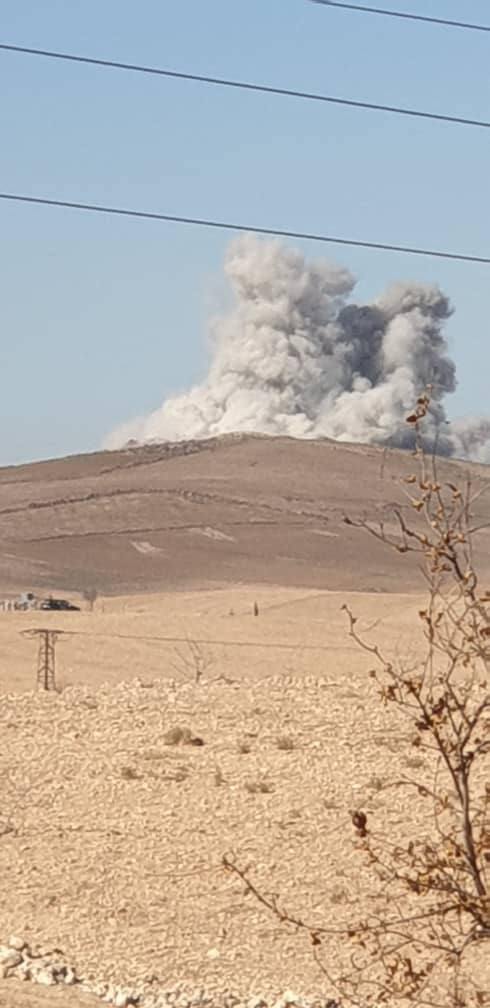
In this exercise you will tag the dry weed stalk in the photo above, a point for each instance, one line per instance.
(90, 596)
(430, 911)
(195, 661)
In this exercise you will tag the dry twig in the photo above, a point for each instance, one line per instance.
(432, 903)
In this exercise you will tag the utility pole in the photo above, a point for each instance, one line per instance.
(46, 657)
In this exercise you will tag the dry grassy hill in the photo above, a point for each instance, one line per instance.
(237, 509)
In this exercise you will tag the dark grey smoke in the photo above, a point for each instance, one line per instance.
(295, 356)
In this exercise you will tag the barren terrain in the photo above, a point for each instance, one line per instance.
(115, 829)
(233, 510)
(117, 835)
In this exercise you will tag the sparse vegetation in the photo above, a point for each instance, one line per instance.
(193, 661)
(129, 773)
(258, 785)
(338, 894)
(177, 736)
(181, 736)
(285, 743)
(118, 824)
(244, 746)
(375, 783)
(90, 596)
(429, 909)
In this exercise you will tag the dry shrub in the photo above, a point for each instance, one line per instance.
(258, 785)
(414, 762)
(129, 773)
(193, 660)
(375, 783)
(285, 743)
(90, 596)
(177, 736)
(339, 895)
(244, 746)
(426, 925)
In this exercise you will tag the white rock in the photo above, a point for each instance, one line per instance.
(44, 976)
(125, 997)
(99, 989)
(121, 1000)
(9, 958)
(213, 953)
(16, 943)
(70, 977)
(110, 994)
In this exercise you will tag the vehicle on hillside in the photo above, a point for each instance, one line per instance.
(59, 605)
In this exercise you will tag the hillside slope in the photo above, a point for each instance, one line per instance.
(237, 509)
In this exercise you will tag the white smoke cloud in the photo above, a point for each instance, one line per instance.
(471, 439)
(295, 356)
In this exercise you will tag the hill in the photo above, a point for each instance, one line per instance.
(238, 509)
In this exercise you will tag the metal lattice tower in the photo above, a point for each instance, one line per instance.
(46, 656)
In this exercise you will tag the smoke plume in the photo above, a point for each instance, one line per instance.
(297, 356)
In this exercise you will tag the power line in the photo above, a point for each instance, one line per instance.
(228, 226)
(403, 14)
(248, 86)
(267, 645)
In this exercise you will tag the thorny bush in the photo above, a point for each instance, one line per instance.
(428, 931)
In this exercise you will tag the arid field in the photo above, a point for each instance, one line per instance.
(113, 823)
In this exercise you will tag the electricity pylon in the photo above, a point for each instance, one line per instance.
(46, 657)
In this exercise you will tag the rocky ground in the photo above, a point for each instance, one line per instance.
(188, 728)
(115, 824)
(119, 801)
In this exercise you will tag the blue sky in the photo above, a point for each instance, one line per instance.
(102, 317)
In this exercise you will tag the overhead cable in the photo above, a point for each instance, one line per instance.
(229, 226)
(406, 15)
(247, 86)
